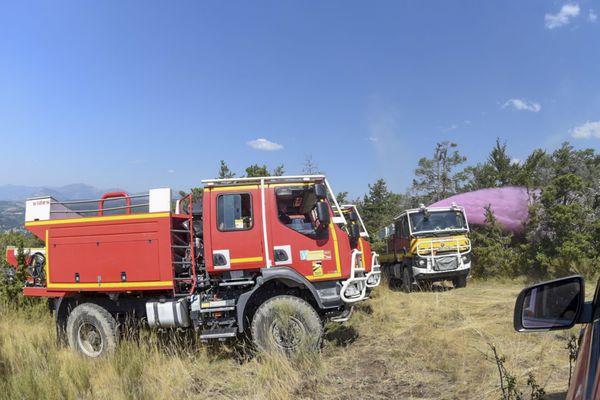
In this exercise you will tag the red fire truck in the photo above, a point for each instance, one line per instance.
(225, 263)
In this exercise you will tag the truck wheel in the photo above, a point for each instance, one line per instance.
(91, 330)
(286, 323)
(406, 281)
(460, 282)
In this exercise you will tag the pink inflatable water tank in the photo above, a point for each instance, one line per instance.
(510, 205)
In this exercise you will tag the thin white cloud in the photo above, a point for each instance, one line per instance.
(171, 171)
(587, 130)
(449, 128)
(264, 144)
(373, 139)
(592, 16)
(563, 17)
(523, 105)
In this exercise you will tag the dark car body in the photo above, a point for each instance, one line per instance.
(560, 304)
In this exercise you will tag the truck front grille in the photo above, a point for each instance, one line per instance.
(446, 263)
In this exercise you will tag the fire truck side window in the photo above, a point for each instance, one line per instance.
(405, 229)
(295, 208)
(234, 212)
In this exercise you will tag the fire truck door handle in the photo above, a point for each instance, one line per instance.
(219, 259)
(281, 255)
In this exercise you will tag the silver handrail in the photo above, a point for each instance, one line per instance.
(104, 209)
(133, 196)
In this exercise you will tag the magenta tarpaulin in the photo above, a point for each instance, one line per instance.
(510, 205)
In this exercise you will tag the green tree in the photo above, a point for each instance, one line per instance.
(379, 207)
(536, 171)
(11, 279)
(342, 198)
(225, 172)
(278, 171)
(492, 250)
(498, 170)
(436, 177)
(562, 230)
(255, 170)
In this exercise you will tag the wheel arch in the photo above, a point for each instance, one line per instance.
(62, 308)
(267, 285)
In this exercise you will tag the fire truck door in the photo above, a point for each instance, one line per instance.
(235, 229)
(294, 240)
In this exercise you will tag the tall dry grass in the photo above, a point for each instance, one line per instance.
(419, 346)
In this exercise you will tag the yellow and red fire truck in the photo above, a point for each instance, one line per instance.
(225, 263)
(427, 244)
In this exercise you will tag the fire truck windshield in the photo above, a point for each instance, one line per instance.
(432, 221)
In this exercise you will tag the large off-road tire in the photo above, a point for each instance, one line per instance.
(286, 324)
(92, 331)
(406, 280)
(460, 282)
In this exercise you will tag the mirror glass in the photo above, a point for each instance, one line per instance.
(320, 191)
(323, 216)
(552, 305)
(354, 231)
(353, 216)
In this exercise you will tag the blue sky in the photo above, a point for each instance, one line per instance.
(146, 94)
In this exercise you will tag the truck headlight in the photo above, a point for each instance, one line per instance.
(422, 263)
(351, 291)
(466, 259)
(372, 279)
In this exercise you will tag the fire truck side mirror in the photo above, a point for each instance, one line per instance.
(320, 191)
(323, 216)
(354, 231)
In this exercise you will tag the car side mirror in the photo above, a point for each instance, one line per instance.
(557, 304)
(323, 215)
(320, 191)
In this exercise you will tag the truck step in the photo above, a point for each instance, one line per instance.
(237, 283)
(220, 333)
(217, 303)
(216, 309)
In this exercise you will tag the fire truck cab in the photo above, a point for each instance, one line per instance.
(227, 261)
(427, 244)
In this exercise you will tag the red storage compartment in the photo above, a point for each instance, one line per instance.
(111, 252)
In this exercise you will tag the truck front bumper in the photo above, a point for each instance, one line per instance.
(374, 276)
(355, 287)
(422, 274)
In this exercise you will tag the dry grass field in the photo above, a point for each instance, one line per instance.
(431, 345)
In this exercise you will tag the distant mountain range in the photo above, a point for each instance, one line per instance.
(12, 215)
(12, 199)
(76, 191)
